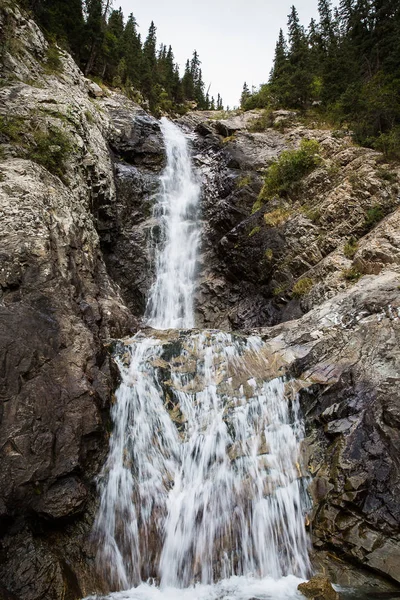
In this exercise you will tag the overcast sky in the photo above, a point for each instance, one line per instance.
(235, 39)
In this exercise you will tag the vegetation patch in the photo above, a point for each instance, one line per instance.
(51, 150)
(269, 254)
(243, 181)
(280, 289)
(89, 116)
(373, 216)
(351, 274)
(302, 287)
(314, 214)
(386, 175)
(48, 148)
(389, 143)
(262, 122)
(276, 217)
(12, 128)
(255, 230)
(53, 62)
(229, 138)
(356, 181)
(350, 248)
(285, 173)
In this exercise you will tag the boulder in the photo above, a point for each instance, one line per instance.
(318, 588)
(95, 91)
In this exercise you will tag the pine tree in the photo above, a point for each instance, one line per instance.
(199, 91)
(132, 54)
(94, 32)
(326, 27)
(113, 50)
(280, 59)
(188, 83)
(149, 83)
(245, 95)
(279, 76)
(297, 91)
(177, 89)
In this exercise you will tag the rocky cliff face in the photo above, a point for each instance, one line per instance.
(79, 168)
(62, 146)
(252, 261)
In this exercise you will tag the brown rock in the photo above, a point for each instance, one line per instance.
(318, 588)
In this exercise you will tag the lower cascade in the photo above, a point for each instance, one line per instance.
(202, 494)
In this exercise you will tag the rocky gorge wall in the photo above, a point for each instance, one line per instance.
(75, 271)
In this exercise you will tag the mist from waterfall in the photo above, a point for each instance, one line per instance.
(203, 483)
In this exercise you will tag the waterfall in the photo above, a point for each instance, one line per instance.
(203, 484)
(170, 304)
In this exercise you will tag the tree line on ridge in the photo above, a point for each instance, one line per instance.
(345, 66)
(110, 49)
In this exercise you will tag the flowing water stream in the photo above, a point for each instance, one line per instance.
(202, 494)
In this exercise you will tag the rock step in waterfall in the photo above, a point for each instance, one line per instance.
(203, 484)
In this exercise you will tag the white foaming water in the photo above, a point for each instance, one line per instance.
(202, 483)
(170, 304)
(202, 491)
(234, 588)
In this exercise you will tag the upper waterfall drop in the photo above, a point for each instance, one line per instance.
(170, 303)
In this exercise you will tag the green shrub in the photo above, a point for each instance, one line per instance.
(48, 148)
(350, 248)
(259, 99)
(373, 216)
(386, 175)
(51, 149)
(243, 181)
(12, 128)
(53, 60)
(255, 230)
(280, 289)
(389, 143)
(229, 138)
(89, 116)
(314, 214)
(356, 181)
(302, 287)
(292, 165)
(269, 254)
(351, 274)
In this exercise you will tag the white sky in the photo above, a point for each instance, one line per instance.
(235, 39)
